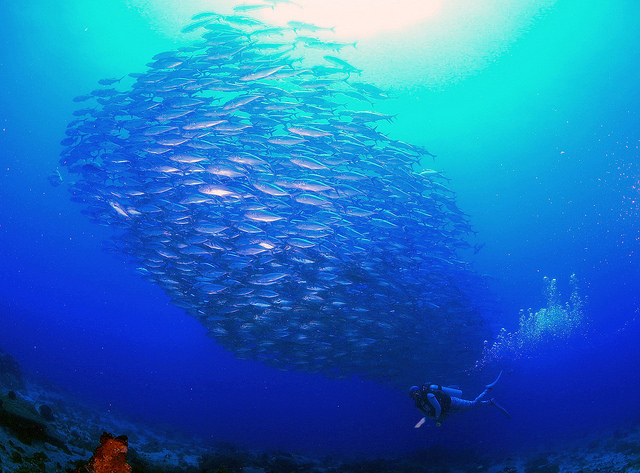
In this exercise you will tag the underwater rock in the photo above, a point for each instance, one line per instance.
(541, 464)
(284, 463)
(22, 418)
(225, 461)
(46, 412)
(10, 374)
(109, 457)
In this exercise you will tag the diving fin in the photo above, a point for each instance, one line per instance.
(489, 386)
(502, 409)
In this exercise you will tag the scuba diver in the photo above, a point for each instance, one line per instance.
(437, 402)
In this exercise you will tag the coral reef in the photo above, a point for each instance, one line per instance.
(109, 457)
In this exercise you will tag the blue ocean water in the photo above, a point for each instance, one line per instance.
(540, 143)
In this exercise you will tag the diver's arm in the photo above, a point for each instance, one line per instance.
(436, 405)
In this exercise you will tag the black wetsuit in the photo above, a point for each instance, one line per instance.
(425, 405)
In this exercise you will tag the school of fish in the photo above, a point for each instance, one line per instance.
(245, 175)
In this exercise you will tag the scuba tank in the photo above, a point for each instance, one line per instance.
(454, 392)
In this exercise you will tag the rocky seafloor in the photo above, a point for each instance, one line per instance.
(42, 430)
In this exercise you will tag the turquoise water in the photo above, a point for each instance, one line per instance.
(531, 110)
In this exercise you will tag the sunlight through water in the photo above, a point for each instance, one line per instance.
(433, 43)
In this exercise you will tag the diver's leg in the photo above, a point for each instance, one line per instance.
(464, 405)
(488, 388)
(480, 396)
(458, 405)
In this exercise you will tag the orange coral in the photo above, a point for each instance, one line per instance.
(109, 457)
